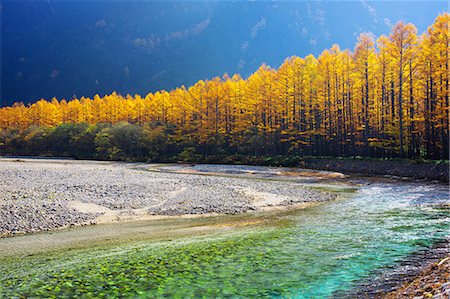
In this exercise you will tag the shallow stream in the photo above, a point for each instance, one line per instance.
(317, 252)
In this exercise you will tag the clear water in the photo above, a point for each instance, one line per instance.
(310, 253)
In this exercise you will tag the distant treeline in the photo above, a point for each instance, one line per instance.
(388, 98)
(128, 142)
(120, 141)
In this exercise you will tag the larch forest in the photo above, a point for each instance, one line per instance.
(389, 97)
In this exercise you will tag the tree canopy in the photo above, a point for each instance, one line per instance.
(387, 98)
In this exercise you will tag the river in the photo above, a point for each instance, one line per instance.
(323, 251)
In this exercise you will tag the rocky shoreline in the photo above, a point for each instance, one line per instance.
(40, 194)
(433, 282)
(390, 168)
(422, 275)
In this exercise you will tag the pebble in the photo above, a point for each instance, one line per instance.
(36, 195)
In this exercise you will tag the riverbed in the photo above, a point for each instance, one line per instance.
(324, 250)
(44, 194)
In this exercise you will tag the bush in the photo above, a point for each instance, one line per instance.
(63, 139)
(121, 141)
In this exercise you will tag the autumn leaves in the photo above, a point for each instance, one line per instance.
(387, 98)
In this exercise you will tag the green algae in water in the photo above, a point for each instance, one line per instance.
(314, 253)
(174, 269)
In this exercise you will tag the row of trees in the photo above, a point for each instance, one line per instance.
(387, 98)
(127, 142)
(121, 141)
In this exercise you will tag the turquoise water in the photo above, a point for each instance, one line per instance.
(309, 253)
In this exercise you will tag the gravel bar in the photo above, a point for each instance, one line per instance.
(39, 194)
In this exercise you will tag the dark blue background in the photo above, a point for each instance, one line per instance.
(66, 48)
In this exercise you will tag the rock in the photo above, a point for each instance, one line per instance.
(39, 196)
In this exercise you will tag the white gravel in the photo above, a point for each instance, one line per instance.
(44, 194)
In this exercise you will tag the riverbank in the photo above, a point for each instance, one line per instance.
(393, 168)
(428, 170)
(424, 274)
(433, 282)
(39, 194)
